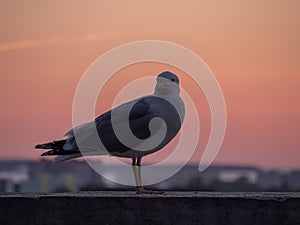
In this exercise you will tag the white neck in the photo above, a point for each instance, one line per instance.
(169, 91)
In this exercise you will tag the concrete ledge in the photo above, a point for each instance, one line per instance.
(169, 208)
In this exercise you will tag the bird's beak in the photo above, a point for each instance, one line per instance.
(161, 86)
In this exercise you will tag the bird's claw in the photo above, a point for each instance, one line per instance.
(140, 190)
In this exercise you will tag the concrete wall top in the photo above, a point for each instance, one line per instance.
(168, 208)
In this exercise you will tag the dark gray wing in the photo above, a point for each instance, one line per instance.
(139, 118)
(142, 111)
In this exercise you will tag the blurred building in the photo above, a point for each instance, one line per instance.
(44, 176)
(74, 176)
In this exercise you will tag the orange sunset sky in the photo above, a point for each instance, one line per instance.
(251, 46)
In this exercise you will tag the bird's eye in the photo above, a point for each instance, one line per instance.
(172, 79)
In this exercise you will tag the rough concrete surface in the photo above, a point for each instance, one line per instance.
(168, 208)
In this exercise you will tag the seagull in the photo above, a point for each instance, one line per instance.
(158, 116)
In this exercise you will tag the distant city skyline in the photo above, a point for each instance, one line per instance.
(74, 176)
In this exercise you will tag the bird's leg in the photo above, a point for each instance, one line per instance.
(136, 167)
(137, 175)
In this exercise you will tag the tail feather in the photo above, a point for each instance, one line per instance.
(45, 146)
(59, 152)
(57, 148)
(52, 145)
(64, 152)
(51, 152)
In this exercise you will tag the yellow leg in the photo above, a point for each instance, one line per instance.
(137, 177)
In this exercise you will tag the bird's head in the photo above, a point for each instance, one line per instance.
(167, 83)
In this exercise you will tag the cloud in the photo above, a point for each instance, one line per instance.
(29, 43)
(89, 37)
